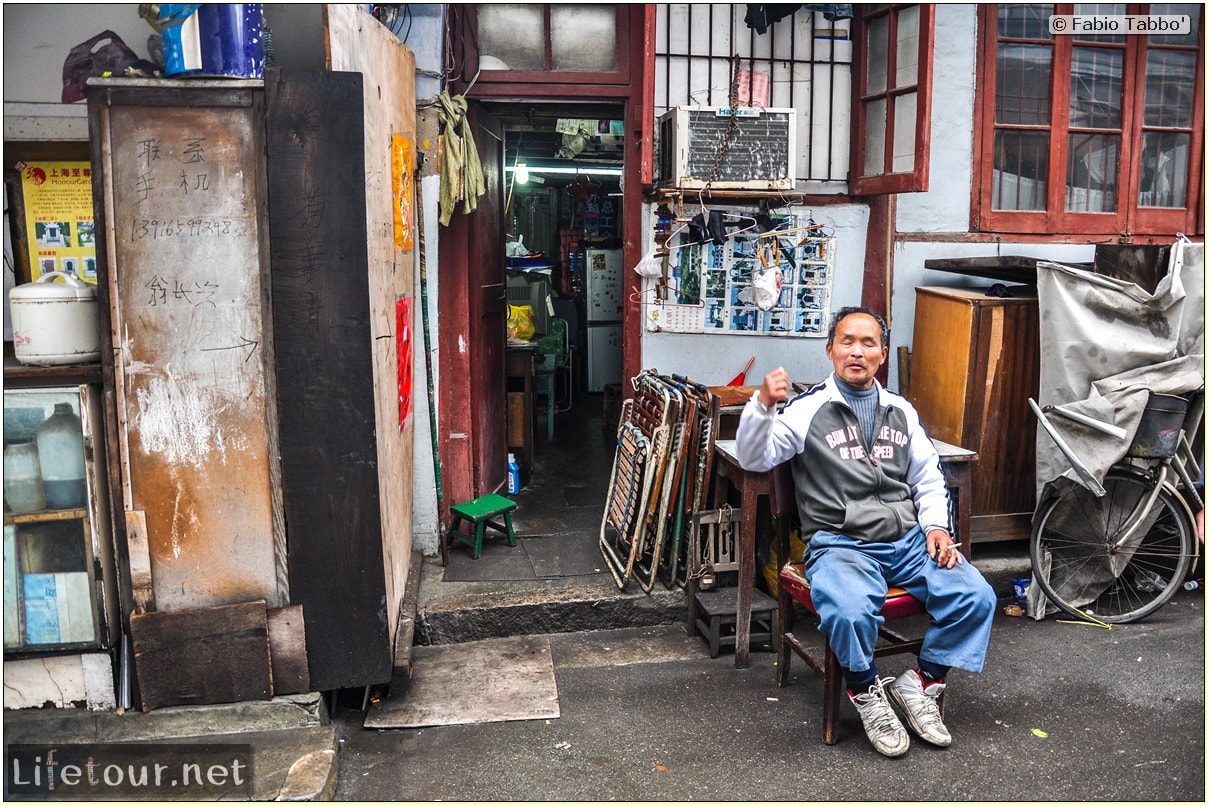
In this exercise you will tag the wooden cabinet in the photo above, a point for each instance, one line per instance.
(59, 585)
(975, 362)
(62, 617)
(261, 355)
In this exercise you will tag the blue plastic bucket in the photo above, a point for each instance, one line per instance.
(213, 39)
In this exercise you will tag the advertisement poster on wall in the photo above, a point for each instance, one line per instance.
(58, 218)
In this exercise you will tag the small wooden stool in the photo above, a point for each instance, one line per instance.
(479, 512)
(713, 544)
(718, 609)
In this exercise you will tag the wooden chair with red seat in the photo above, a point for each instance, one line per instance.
(793, 587)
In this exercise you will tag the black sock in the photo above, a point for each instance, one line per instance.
(859, 682)
(932, 672)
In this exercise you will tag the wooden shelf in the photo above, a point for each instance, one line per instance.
(44, 515)
(24, 376)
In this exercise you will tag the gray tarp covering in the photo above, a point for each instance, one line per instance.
(1105, 345)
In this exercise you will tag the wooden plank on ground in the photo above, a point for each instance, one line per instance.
(287, 651)
(203, 656)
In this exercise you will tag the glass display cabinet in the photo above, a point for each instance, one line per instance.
(58, 558)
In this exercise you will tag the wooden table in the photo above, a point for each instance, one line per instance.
(957, 464)
(753, 486)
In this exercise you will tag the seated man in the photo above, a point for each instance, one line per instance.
(875, 513)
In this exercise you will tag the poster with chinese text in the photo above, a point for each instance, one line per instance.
(58, 218)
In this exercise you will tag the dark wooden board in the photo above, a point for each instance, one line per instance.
(323, 341)
(203, 656)
(287, 650)
(405, 635)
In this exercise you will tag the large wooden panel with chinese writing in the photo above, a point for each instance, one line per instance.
(180, 166)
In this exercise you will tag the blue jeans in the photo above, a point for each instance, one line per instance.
(848, 582)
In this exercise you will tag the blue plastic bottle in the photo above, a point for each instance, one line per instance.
(514, 476)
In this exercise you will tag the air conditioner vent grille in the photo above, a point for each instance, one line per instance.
(761, 154)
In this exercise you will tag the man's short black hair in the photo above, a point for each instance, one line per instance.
(848, 311)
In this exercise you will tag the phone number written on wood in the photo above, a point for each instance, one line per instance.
(155, 229)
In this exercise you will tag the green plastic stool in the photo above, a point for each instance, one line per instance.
(479, 512)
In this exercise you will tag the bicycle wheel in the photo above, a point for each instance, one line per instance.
(1077, 568)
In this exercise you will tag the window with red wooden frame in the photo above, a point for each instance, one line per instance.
(551, 43)
(1088, 134)
(892, 106)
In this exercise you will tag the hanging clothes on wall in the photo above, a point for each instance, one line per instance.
(761, 16)
(461, 172)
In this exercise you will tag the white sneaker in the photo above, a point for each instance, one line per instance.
(887, 734)
(919, 705)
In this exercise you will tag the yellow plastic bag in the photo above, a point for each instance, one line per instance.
(772, 569)
(521, 323)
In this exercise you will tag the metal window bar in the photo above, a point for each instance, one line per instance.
(695, 46)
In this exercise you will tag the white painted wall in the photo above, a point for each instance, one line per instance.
(37, 39)
(425, 522)
(945, 207)
(62, 680)
(710, 358)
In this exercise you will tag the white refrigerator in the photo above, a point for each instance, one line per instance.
(602, 270)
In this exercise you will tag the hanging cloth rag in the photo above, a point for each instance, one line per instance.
(461, 172)
(762, 16)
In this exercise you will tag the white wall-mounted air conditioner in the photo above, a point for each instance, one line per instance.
(761, 155)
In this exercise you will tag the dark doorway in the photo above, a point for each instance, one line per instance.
(561, 218)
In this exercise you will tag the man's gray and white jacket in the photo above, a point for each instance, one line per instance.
(872, 493)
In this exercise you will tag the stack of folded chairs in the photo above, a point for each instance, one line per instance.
(665, 439)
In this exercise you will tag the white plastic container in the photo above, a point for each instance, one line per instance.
(56, 323)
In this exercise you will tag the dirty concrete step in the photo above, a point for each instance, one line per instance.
(453, 612)
(292, 746)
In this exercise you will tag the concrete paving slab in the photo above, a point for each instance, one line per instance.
(1061, 712)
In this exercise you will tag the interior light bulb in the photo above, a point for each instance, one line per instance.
(522, 174)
